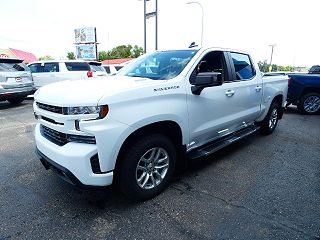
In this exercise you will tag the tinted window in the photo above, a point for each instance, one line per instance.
(107, 68)
(242, 65)
(44, 67)
(49, 67)
(34, 67)
(13, 67)
(77, 66)
(118, 67)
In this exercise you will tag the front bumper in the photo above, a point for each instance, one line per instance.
(71, 161)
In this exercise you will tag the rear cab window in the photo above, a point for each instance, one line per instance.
(77, 66)
(243, 67)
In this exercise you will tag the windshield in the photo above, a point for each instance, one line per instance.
(159, 65)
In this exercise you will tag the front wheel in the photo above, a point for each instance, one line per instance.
(270, 122)
(309, 103)
(147, 167)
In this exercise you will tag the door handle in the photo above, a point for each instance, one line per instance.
(258, 88)
(230, 93)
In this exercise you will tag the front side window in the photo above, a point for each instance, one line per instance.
(242, 65)
(34, 67)
(159, 65)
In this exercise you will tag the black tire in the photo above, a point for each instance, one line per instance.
(269, 123)
(137, 156)
(309, 103)
(16, 100)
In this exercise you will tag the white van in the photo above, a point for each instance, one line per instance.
(50, 71)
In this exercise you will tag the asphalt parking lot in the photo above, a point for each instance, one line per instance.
(259, 188)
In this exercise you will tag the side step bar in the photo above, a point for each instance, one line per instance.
(222, 142)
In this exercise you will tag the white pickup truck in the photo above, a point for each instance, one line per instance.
(132, 128)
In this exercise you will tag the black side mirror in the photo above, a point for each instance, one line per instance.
(206, 79)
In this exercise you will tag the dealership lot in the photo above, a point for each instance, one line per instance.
(259, 188)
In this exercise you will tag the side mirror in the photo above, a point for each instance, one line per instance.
(206, 79)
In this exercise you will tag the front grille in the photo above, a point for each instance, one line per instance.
(50, 108)
(61, 139)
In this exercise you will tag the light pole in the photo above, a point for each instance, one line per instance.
(201, 18)
(272, 46)
(146, 16)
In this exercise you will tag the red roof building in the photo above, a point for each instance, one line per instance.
(119, 61)
(25, 56)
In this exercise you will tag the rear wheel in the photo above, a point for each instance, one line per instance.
(270, 122)
(16, 100)
(309, 103)
(147, 167)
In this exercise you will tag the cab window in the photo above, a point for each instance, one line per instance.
(242, 66)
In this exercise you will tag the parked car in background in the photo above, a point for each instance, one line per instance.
(97, 69)
(15, 80)
(112, 69)
(304, 92)
(315, 69)
(266, 74)
(46, 72)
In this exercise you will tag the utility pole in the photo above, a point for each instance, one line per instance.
(146, 16)
(199, 4)
(272, 46)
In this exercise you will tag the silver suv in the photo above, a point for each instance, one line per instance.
(15, 80)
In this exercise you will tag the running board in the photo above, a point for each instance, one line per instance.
(222, 142)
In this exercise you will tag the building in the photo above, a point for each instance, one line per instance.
(119, 61)
(27, 57)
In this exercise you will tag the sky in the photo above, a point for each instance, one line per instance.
(47, 27)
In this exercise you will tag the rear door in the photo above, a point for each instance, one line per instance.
(245, 89)
(44, 73)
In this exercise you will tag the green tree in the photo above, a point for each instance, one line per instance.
(122, 51)
(263, 66)
(103, 55)
(136, 51)
(71, 56)
(46, 57)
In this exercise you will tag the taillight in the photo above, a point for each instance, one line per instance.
(289, 81)
(89, 74)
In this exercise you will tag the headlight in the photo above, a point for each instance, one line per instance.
(101, 110)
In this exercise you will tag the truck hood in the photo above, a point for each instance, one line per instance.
(88, 92)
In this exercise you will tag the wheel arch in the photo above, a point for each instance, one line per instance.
(310, 89)
(168, 128)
